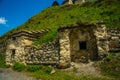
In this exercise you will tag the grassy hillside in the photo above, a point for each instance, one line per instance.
(53, 17)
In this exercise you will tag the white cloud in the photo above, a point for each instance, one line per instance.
(3, 20)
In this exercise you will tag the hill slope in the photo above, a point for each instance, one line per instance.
(52, 17)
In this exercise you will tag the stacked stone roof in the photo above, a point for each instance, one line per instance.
(29, 34)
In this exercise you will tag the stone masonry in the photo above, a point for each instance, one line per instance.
(76, 43)
(44, 54)
(67, 2)
(113, 37)
(98, 42)
(64, 42)
(102, 42)
(16, 42)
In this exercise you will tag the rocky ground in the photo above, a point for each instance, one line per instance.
(87, 69)
(9, 74)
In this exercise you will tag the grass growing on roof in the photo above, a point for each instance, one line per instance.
(52, 17)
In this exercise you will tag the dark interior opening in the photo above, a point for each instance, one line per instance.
(13, 52)
(13, 38)
(82, 45)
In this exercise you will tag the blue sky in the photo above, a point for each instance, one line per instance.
(13, 13)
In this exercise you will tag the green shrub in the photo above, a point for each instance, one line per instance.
(18, 66)
(33, 68)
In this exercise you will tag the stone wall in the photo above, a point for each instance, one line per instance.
(45, 54)
(17, 42)
(64, 42)
(15, 49)
(99, 41)
(102, 42)
(113, 36)
(70, 37)
(22, 50)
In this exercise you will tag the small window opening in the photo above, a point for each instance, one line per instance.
(13, 52)
(82, 45)
(13, 38)
(32, 56)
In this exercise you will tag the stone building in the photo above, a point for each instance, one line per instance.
(78, 1)
(65, 2)
(16, 43)
(77, 43)
(86, 42)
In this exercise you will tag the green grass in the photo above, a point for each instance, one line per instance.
(52, 17)
(110, 66)
(62, 75)
(2, 61)
(33, 68)
(44, 72)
